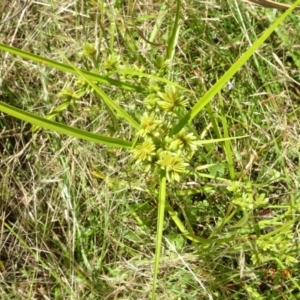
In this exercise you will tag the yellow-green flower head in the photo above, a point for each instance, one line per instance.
(140, 68)
(184, 141)
(149, 124)
(68, 94)
(171, 100)
(172, 164)
(144, 152)
(111, 62)
(82, 83)
(88, 50)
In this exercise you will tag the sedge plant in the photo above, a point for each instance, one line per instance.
(165, 138)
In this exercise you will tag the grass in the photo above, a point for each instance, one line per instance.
(79, 218)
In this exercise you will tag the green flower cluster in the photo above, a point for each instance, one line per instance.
(282, 246)
(244, 199)
(160, 149)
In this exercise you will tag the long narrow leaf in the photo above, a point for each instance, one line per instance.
(227, 145)
(63, 129)
(174, 35)
(205, 142)
(160, 226)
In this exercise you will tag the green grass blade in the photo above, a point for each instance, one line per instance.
(227, 144)
(69, 69)
(160, 226)
(174, 35)
(205, 142)
(63, 129)
(211, 112)
(230, 73)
